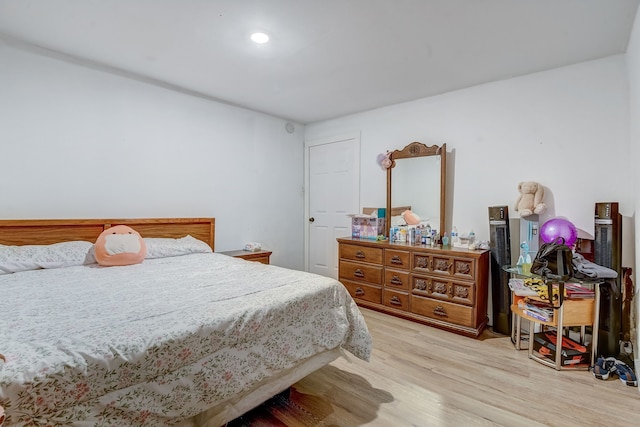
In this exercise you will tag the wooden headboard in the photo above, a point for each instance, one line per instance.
(48, 231)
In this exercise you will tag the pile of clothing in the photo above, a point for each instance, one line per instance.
(584, 269)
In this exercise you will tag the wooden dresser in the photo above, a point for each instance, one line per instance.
(445, 288)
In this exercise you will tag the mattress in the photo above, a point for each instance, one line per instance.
(159, 342)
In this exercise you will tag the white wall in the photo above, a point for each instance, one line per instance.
(64, 126)
(566, 128)
(79, 142)
(633, 69)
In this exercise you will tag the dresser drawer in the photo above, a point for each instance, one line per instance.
(361, 272)
(464, 268)
(397, 259)
(443, 288)
(361, 253)
(442, 310)
(399, 300)
(397, 279)
(421, 262)
(458, 267)
(363, 291)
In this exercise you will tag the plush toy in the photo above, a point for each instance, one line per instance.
(410, 218)
(120, 245)
(384, 160)
(530, 200)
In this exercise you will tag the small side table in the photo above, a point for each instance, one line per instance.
(259, 256)
(579, 312)
(573, 312)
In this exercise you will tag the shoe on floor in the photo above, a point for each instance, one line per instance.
(604, 367)
(625, 373)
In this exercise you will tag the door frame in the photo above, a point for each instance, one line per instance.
(308, 143)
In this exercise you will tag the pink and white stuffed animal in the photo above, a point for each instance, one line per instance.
(410, 218)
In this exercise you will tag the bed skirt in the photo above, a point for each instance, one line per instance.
(231, 409)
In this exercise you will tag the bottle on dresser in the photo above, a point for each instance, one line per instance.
(472, 237)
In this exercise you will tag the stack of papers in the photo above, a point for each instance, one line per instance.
(576, 290)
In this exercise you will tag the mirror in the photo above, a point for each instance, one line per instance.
(416, 179)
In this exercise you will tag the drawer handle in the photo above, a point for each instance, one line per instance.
(359, 292)
(440, 311)
(420, 284)
(461, 292)
(396, 260)
(358, 273)
(463, 268)
(395, 280)
(442, 265)
(360, 254)
(395, 300)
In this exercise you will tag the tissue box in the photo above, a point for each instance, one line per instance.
(365, 227)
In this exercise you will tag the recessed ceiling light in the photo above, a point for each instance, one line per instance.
(260, 38)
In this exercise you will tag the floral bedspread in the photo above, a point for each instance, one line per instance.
(158, 342)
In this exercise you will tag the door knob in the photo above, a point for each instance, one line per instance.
(312, 219)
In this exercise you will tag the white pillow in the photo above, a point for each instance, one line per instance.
(398, 220)
(162, 247)
(34, 257)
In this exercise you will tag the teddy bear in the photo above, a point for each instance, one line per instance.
(530, 200)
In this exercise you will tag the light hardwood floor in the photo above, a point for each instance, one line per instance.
(422, 376)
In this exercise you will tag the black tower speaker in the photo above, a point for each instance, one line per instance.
(500, 245)
(607, 252)
(608, 237)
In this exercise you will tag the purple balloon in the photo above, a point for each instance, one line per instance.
(559, 227)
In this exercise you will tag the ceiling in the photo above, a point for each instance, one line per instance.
(326, 58)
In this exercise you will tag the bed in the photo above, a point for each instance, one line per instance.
(188, 337)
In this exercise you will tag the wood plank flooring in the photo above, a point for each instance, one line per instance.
(422, 376)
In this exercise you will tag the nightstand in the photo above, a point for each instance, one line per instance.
(259, 256)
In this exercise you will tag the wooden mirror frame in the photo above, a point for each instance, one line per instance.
(418, 149)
